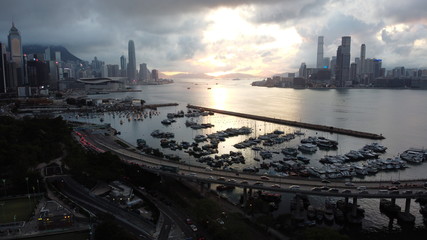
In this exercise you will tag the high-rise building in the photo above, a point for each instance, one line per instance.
(342, 70)
(144, 73)
(333, 65)
(3, 86)
(320, 52)
(326, 61)
(131, 73)
(302, 71)
(155, 75)
(16, 55)
(362, 59)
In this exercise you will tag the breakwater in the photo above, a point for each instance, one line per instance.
(294, 123)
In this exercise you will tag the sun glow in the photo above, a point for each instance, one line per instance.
(235, 44)
(219, 97)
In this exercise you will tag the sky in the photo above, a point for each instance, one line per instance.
(223, 36)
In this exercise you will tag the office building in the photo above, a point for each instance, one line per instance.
(342, 71)
(3, 65)
(319, 52)
(302, 73)
(16, 55)
(144, 73)
(155, 75)
(131, 68)
(123, 66)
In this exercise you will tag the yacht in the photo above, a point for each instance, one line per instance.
(307, 147)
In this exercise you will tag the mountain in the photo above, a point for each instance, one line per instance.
(191, 75)
(237, 76)
(66, 56)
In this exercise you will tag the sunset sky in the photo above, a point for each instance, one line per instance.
(223, 36)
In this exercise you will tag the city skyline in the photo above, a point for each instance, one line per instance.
(224, 36)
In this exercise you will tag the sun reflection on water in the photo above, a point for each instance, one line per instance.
(219, 98)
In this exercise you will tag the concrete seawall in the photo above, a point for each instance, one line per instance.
(294, 123)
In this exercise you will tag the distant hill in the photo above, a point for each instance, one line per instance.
(66, 56)
(191, 75)
(237, 76)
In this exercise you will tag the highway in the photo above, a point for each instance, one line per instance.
(339, 188)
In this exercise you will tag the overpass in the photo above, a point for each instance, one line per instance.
(411, 188)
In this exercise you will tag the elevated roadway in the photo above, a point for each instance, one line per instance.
(357, 189)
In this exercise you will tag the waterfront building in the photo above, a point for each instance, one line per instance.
(131, 68)
(326, 62)
(320, 52)
(3, 64)
(123, 66)
(155, 75)
(332, 65)
(342, 71)
(16, 54)
(144, 73)
(113, 70)
(302, 70)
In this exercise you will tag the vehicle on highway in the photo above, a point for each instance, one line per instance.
(192, 174)
(244, 182)
(393, 188)
(326, 188)
(231, 180)
(221, 179)
(333, 190)
(407, 192)
(382, 191)
(193, 227)
(326, 181)
(316, 189)
(363, 192)
(394, 192)
(208, 169)
(294, 187)
(361, 188)
(396, 182)
(275, 186)
(258, 183)
(349, 184)
(264, 178)
(346, 191)
(211, 178)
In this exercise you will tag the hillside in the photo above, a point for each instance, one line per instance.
(66, 56)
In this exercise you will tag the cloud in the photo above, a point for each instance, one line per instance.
(222, 35)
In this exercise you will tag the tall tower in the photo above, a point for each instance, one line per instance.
(319, 52)
(343, 62)
(3, 86)
(362, 58)
(132, 61)
(16, 56)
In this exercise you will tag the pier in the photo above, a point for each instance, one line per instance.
(294, 123)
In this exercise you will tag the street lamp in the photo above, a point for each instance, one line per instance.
(28, 189)
(4, 187)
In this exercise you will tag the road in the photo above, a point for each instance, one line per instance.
(133, 223)
(371, 189)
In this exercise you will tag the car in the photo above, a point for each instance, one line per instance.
(208, 169)
(349, 184)
(324, 188)
(231, 180)
(326, 181)
(396, 182)
(419, 192)
(407, 192)
(244, 182)
(361, 188)
(220, 221)
(264, 178)
(316, 189)
(211, 178)
(193, 227)
(346, 191)
(258, 183)
(294, 187)
(394, 192)
(363, 192)
(192, 174)
(333, 190)
(188, 221)
(382, 191)
(393, 188)
(221, 179)
(275, 186)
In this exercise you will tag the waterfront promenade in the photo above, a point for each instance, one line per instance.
(294, 123)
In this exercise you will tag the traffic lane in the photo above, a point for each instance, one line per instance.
(132, 223)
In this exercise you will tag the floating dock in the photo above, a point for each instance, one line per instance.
(294, 123)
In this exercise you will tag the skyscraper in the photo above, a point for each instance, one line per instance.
(362, 59)
(3, 86)
(132, 61)
(123, 66)
(319, 52)
(16, 56)
(302, 71)
(343, 62)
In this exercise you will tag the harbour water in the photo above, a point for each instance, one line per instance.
(399, 115)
